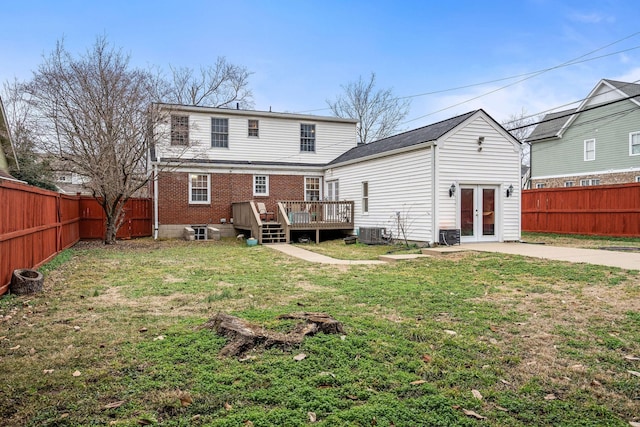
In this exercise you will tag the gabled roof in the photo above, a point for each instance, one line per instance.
(550, 125)
(553, 125)
(413, 137)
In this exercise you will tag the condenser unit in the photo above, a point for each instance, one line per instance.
(372, 235)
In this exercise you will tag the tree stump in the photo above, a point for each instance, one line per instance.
(25, 281)
(245, 336)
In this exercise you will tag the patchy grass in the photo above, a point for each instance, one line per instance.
(544, 343)
(357, 251)
(581, 241)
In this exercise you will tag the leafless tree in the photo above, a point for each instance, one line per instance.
(378, 111)
(96, 109)
(218, 85)
(520, 127)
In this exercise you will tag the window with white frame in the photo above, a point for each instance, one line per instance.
(365, 197)
(637, 178)
(589, 149)
(179, 130)
(260, 185)
(199, 188)
(541, 185)
(312, 189)
(254, 128)
(569, 183)
(307, 137)
(588, 182)
(219, 132)
(634, 144)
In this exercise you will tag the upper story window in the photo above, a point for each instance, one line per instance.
(637, 178)
(589, 149)
(312, 189)
(199, 188)
(634, 144)
(569, 183)
(179, 130)
(260, 185)
(307, 137)
(587, 182)
(254, 128)
(541, 185)
(219, 132)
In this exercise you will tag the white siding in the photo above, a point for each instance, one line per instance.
(279, 140)
(460, 162)
(399, 183)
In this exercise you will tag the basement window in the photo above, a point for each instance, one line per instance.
(199, 232)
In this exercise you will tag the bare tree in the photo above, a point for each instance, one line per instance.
(378, 111)
(219, 85)
(96, 109)
(520, 127)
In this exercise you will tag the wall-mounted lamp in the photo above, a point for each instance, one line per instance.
(480, 140)
(452, 190)
(510, 190)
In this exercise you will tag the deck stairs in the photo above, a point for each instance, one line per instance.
(272, 232)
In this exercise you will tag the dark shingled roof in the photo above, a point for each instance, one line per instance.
(413, 137)
(630, 89)
(550, 125)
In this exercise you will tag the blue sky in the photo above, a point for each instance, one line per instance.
(301, 52)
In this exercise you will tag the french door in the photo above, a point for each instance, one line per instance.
(333, 195)
(478, 213)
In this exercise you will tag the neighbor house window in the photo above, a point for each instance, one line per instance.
(307, 137)
(569, 183)
(219, 132)
(312, 189)
(589, 149)
(634, 144)
(179, 130)
(254, 128)
(587, 182)
(199, 232)
(637, 178)
(199, 188)
(541, 185)
(365, 197)
(260, 185)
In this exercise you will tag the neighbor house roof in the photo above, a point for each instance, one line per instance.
(550, 125)
(629, 89)
(413, 137)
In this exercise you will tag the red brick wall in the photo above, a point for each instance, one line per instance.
(173, 196)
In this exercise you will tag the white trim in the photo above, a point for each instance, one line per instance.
(631, 134)
(320, 184)
(579, 174)
(200, 202)
(363, 198)
(266, 184)
(586, 157)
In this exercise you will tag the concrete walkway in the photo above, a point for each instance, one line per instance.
(626, 260)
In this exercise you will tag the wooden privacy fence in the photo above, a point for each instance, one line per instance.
(37, 224)
(604, 210)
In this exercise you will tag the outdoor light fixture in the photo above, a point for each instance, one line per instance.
(510, 190)
(480, 140)
(452, 190)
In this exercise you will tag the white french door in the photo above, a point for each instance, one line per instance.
(333, 195)
(478, 213)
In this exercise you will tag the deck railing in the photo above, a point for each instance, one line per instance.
(322, 215)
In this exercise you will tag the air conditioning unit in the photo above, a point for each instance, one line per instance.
(372, 235)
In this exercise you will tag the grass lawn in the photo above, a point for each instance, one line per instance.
(463, 339)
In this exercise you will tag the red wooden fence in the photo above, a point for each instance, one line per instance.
(37, 224)
(605, 210)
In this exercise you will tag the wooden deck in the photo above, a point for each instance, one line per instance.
(293, 215)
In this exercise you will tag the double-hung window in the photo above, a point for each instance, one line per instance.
(179, 130)
(307, 137)
(634, 144)
(199, 185)
(260, 185)
(569, 183)
(365, 197)
(587, 182)
(219, 132)
(254, 128)
(589, 149)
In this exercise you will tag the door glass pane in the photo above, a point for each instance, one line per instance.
(488, 212)
(466, 211)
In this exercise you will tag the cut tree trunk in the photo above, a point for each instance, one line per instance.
(244, 335)
(25, 281)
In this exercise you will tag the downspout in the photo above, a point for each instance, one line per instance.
(155, 201)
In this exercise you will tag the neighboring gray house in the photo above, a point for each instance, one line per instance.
(462, 173)
(595, 144)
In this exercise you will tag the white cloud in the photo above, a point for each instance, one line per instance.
(632, 75)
